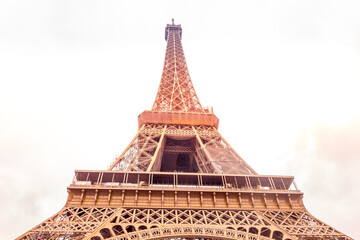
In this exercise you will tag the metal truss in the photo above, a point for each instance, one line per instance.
(162, 223)
(216, 196)
(141, 151)
(70, 223)
(211, 152)
(189, 232)
(127, 223)
(176, 91)
(302, 224)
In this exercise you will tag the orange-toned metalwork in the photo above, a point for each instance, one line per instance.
(180, 179)
(176, 91)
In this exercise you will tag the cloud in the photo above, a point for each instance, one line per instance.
(20, 206)
(326, 165)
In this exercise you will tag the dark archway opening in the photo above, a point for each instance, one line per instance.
(277, 235)
(265, 232)
(178, 155)
(130, 228)
(117, 229)
(105, 233)
(253, 230)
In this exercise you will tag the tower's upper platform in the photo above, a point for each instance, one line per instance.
(172, 27)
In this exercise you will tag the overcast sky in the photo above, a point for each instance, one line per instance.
(282, 76)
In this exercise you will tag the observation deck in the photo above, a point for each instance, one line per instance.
(172, 27)
(184, 190)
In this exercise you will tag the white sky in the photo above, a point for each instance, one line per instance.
(282, 76)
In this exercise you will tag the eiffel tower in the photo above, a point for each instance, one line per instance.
(179, 179)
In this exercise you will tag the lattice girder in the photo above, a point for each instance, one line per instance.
(176, 91)
(302, 223)
(190, 232)
(211, 152)
(127, 221)
(70, 223)
(140, 152)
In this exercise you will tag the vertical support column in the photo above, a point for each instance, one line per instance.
(153, 159)
(126, 149)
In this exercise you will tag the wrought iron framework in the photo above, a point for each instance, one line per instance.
(179, 178)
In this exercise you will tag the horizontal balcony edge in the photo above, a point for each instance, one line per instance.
(181, 118)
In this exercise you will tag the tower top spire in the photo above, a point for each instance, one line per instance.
(173, 27)
(176, 92)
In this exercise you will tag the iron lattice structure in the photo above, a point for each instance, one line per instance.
(180, 179)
